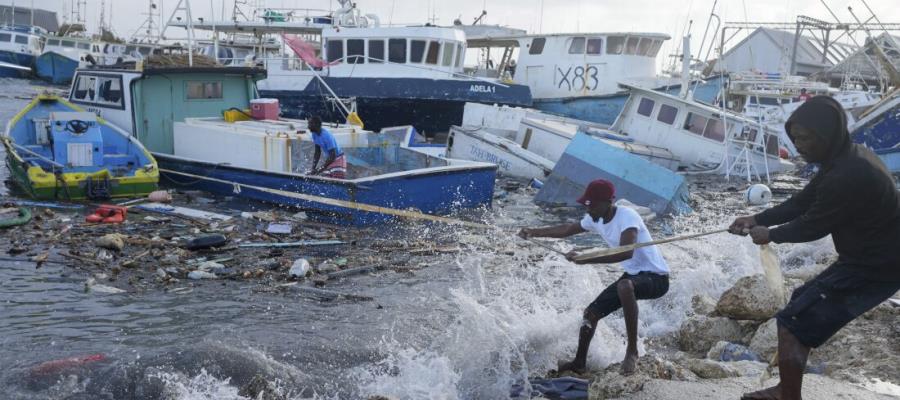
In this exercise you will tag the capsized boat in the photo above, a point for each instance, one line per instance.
(55, 150)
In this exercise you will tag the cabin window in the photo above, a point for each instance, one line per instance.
(96, 49)
(110, 91)
(577, 46)
(715, 130)
(632, 45)
(645, 108)
(595, 46)
(695, 123)
(67, 43)
(335, 50)
(204, 90)
(356, 51)
(644, 46)
(397, 50)
(537, 45)
(376, 51)
(447, 59)
(84, 88)
(416, 51)
(21, 39)
(53, 42)
(615, 44)
(128, 49)
(84, 46)
(654, 49)
(5, 37)
(434, 51)
(667, 114)
(460, 54)
(145, 50)
(772, 145)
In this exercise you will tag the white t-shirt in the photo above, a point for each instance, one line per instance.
(645, 259)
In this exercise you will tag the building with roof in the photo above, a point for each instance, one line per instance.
(865, 65)
(772, 51)
(23, 16)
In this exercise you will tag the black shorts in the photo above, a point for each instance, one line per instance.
(647, 285)
(826, 303)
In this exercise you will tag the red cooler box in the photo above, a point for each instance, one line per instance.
(264, 108)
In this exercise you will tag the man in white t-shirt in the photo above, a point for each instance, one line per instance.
(646, 273)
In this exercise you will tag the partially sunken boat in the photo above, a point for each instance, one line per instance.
(178, 115)
(55, 150)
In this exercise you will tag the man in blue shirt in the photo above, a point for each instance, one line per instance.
(335, 165)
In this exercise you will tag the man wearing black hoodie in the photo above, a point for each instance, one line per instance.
(853, 198)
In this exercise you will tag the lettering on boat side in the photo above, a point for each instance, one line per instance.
(482, 89)
(484, 155)
(95, 110)
(581, 78)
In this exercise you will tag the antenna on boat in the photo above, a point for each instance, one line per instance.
(149, 30)
(892, 72)
(185, 7)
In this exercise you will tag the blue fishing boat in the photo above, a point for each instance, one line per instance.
(178, 114)
(19, 47)
(891, 158)
(879, 127)
(62, 56)
(637, 179)
(55, 150)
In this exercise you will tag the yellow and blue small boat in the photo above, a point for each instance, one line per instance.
(56, 150)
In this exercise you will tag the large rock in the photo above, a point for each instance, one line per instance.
(708, 369)
(765, 340)
(703, 304)
(749, 299)
(699, 333)
(610, 383)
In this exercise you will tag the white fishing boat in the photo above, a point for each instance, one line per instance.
(332, 64)
(770, 98)
(527, 143)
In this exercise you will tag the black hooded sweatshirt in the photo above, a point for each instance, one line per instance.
(852, 197)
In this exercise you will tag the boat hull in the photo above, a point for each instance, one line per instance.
(55, 68)
(434, 193)
(891, 159)
(43, 186)
(882, 131)
(511, 159)
(430, 105)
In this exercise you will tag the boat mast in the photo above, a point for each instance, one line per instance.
(685, 67)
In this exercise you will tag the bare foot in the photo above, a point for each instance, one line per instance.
(571, 367)
(772, 393)
(629, 364)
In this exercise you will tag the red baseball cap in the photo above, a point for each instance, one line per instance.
(598, 190)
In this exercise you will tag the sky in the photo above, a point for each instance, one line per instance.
(536, 16)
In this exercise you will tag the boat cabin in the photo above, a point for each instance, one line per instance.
(147, 103)
(570, 65)
(21, 44)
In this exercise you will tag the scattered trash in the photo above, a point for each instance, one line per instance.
(279, 229)
(758, 195)
(108, 214)
(300, 268)
(293, 244)
(205, 242)
(91, 285)
(10, 217)
(160, 196)
(47, 204)
(183, 211)
(535, 183)
(733, 352)
(56, 366)
(198, 275)
(111, 241)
